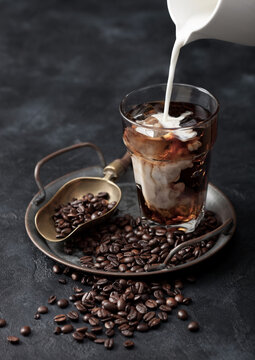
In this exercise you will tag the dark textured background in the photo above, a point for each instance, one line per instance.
(64, 66)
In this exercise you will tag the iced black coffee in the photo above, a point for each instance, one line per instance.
(171, 164)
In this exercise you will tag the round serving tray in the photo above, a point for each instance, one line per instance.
(216, 201)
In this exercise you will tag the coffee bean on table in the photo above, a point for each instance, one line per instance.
(150, 315)
(57, 269)
(82, 329)
(42, 309)
(109, 343)
(90, 335)
(57, 330)
(37, 316)
(186, 301)
(52, 299)
(163, 316)
(62, 281)
(2, 323)
(179, 298)
(142, 327)
(96, 329)
(60, 318)
(154, 322)
(99, 341)
(62, 303)
(127, 333)
(178, 284)
(128, 344)
(13, 340)
(141, 308)
(67, 328)
(193, 326)
(73, 315)
(110, 332)
(150, 303)
(78, 336)
(25, 330)
(165, 308)
(170, 301)
(182, 314)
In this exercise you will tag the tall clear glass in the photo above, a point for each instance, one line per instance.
(170, 164)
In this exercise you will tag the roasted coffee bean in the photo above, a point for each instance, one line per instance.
(178, 284)
(42, 309)
(182, 314)
(108, 305)
(121, 304)
(150, 315)
(73, 315)
(170, 301)
(154, 322)
(110, 332)
(57, 269)
(57, 330)
(109, 343)
(81, 308)
(163, 316)
(67, 328)
(62, 303)
(128, 344)
(127, 333)
(96, 329)
(52, 299)
(75, 276)
(37, 316)
(60, 318)
(165, 308)
(2, 323)
(82, 329)
(193, 326)
(25, 330)
(62, 281)
(150, 303)
(93, 321)
(186, 301)
(141, 308)
(179, 298)
(142, 327)
(78, 336)
(90, 335)
(109, 324)
(13, 340)
(99, 341)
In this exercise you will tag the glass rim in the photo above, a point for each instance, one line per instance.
(201, 124)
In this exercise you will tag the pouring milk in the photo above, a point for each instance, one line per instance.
(229, 20)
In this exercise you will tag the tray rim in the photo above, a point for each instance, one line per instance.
(56, 258)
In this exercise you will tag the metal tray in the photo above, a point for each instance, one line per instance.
(216, 201)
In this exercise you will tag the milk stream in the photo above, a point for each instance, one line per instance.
(198, 12)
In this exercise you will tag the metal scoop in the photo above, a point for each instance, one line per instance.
(76, 188)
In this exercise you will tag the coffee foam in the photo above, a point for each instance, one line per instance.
(158, 120)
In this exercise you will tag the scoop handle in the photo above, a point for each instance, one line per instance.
(38, 166)
(117, 167)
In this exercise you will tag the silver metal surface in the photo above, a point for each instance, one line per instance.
(216, 201)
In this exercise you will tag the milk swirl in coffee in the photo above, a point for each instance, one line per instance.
(170, 152)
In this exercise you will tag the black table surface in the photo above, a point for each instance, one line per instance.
(64, 67)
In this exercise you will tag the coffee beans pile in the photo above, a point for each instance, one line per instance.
(125, 244)
(121, 305)
(67, 217)
(107, 306)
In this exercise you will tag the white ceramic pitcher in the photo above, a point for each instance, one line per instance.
(229, 20)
